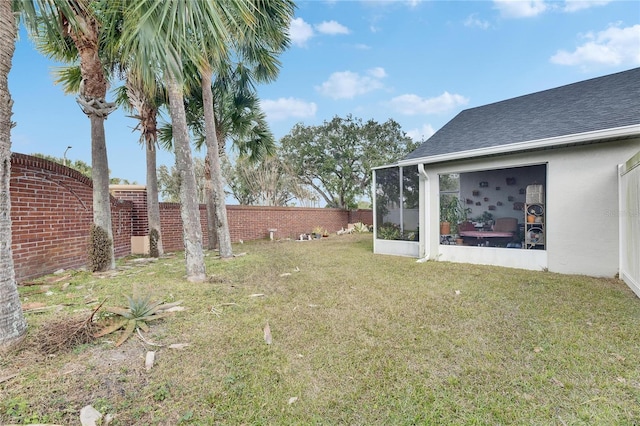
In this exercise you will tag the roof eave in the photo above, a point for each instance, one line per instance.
(385, 166)
(577, 138)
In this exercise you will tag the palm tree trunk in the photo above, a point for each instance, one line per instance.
(217, 190)
(189, 208)
(153, 207)
(12, 323)
(101, 196)
(212, 230)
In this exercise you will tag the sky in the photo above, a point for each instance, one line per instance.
(417, 62)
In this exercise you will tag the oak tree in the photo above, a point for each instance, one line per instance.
(336, 158)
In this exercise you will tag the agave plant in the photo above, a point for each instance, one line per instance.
(360, 227)
(136, 316)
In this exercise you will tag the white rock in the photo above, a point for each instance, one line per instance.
(149, 360)
(178, 345)
(89, 416)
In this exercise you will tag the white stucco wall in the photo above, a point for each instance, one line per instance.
(396, 247)
(581, 210)
(582, 200)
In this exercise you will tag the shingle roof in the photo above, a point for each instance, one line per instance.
(600, 103)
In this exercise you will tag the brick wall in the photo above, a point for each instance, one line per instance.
(361, 215)
(171, 226)
(137, 195)
(253, 222)
(51, 213)
(121, 223)
(245, 222)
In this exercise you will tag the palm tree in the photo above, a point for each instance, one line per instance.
(35, 13)
(86, 36)
(81, 35)
(134, 96)
(12, 323)
(189, 209)
(237, 116)
(214, 183)
(175, 32)
(256, 42)
(165, 34)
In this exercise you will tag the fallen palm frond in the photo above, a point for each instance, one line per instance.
(67, 333)
(136, 316)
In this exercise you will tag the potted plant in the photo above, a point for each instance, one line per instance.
(486, 219)
(445, 228)
(452, 212)
(445, 205)
(319, 231)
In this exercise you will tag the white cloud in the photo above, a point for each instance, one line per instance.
(300, 32)
(473, 21)
(377, 72)
(530, 8)
(410, 104)
(613, 46)
(348, 84)
(362, 46)
(520, 8)
(283, 108)
(331, 28)
(575, 5)
(423, 133)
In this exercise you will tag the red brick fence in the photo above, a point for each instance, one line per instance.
(51, 213)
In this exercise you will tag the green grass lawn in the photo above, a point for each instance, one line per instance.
(358, 339)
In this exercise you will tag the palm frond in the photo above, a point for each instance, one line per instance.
(69, 77)
(112, 328)
(165, 136)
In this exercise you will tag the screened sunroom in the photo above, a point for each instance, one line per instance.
(469, 212)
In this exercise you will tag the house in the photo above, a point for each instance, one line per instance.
(560, 164)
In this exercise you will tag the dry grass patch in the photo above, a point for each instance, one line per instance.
(357, 338)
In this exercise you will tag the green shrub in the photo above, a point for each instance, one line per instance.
(389, 231)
